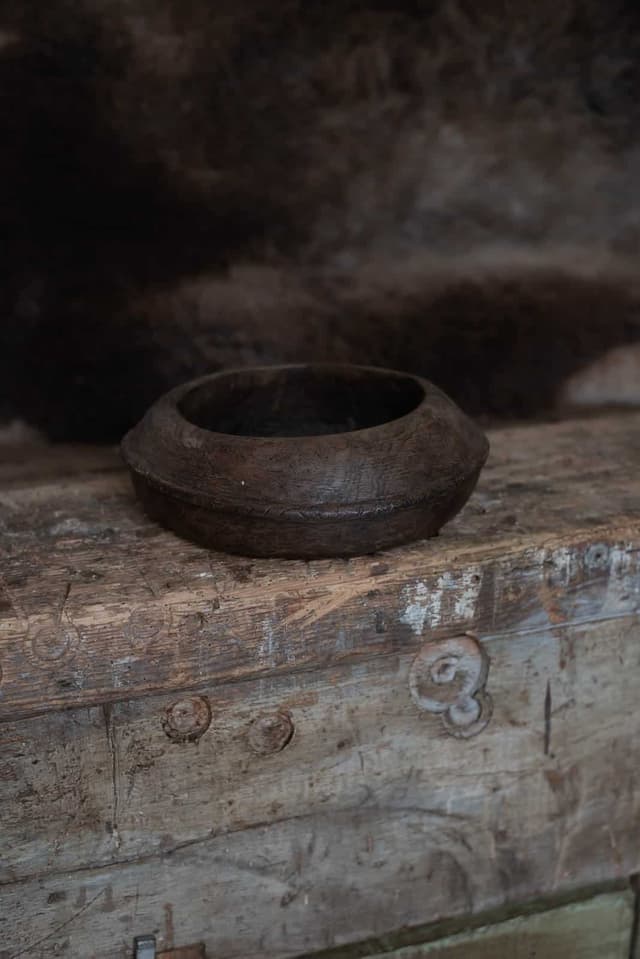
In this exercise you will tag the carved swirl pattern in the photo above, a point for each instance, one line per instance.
(448, 678)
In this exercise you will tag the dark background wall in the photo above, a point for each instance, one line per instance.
(450, 188)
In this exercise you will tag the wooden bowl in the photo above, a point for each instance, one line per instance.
(305, 461)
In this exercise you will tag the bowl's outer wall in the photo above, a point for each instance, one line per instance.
(329, 495)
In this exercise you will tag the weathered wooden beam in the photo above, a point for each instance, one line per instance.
(280, 758)
(564, 719)
(98, 604)
(371, 811)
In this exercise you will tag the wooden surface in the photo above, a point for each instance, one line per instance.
(371, 819)
(321, 801)
(596, 929)
(98, 604)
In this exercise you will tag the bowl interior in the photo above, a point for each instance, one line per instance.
(300, 401)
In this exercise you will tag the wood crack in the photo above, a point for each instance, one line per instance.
(111, 743)
(634, 941)
(547, 719)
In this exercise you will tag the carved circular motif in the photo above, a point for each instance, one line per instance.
(146, 623)
(186, 720)
(447, 678)
(271, 733)
(50, 644)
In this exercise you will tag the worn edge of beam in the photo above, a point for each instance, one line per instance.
(530, 553)
(589, 451)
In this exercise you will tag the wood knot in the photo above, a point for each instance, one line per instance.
(271, 733)
(186, 720)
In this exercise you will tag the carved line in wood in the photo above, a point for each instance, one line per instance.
(448, 678)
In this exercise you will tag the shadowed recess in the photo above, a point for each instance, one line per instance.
(300, 401)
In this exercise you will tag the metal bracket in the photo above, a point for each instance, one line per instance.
(145, 948)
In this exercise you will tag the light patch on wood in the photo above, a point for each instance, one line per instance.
(623, 584)
(418, 606)
(452, 598)
(267, 648)
(467, 594)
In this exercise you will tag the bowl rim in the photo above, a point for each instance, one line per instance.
(170, 402)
